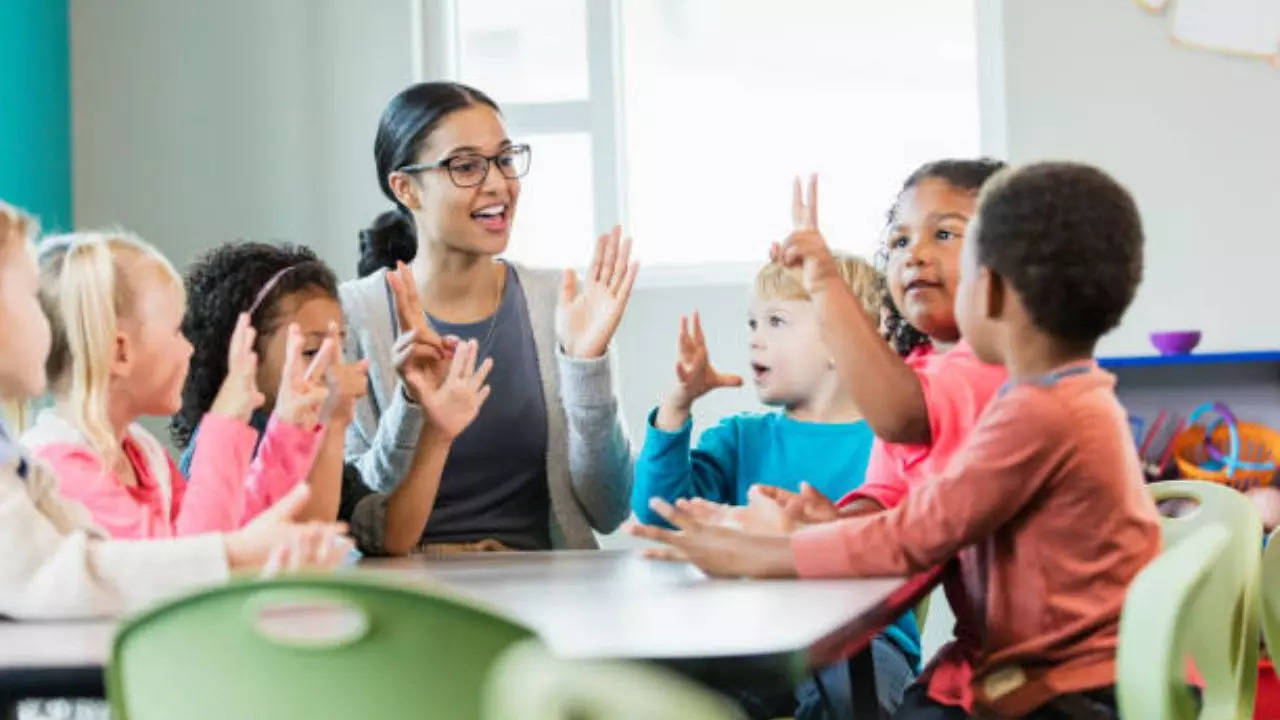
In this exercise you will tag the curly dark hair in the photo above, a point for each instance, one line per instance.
(1068, 238)
(223, 283)
(961, 174)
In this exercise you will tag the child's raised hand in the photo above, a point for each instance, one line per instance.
(421, 356)
(805, 247)
(303, 388)
(695, 375)
(347, 382)
(455, 403)
(239, 396)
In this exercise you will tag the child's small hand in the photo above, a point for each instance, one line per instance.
(806, 247)
(421, 356)
(276, 540)
(455, 403)
(693, 370)
(347, 383)
(695, 376)
(239, 396)
(717, 550)
(807, 507)
(762, 515)
(303, 390)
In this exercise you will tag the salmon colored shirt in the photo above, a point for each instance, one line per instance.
(226, 489)
(1046, 507)
(957, 386)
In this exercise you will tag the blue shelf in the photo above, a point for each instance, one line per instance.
(1258, 356)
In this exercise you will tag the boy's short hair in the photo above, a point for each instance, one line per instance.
(775, 281)
(1069, 239)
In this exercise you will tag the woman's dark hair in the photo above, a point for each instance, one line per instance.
(223, 283)
(403, 130)
(961, 174)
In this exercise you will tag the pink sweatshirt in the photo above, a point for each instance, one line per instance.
(957, 387)
(225, 491)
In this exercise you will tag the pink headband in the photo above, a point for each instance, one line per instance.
(267, 287)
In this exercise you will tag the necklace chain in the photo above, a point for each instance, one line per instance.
(483, 346)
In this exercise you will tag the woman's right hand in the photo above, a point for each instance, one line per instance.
(276, 541)
(422, 358)
(239, 396)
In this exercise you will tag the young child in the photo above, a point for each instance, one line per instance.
(792, 371)
(278, 286)
(119, 354)
(1055, 260)
(923, 392)
(56, 563)
(817, 437)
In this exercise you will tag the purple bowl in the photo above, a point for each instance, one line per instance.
(1178, 342)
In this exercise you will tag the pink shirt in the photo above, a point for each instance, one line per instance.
(956, 386)
(224, 492)
(1037, 599)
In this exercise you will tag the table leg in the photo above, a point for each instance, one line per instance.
(862, 683)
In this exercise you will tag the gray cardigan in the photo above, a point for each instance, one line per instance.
(589, 466)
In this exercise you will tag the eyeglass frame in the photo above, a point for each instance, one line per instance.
(490, 162)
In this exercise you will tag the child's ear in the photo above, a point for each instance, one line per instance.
(995, 293)
(405, 190)
(123, 357)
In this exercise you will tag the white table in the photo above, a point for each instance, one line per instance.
(586, 604)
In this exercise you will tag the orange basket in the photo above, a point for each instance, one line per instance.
(1245, 461)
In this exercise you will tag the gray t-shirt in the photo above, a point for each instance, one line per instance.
(494, 483)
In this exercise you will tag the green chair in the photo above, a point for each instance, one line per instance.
(528, 683)
(304, 647)
(1208, 613)
(1271, 596)
(1163, 623)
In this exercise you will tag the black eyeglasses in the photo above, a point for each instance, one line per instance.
(470, 169)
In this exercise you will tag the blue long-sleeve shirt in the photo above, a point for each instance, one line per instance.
(745, 450)
(751, 449)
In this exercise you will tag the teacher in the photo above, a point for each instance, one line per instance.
(547, 458)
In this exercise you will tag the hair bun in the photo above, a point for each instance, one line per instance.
(389, 239)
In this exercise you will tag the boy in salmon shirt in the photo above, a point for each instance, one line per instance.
(1044, 504)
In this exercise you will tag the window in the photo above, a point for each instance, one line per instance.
(550, 65)
(722, 102)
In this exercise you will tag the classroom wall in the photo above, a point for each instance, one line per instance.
(35, 110)
(1191, 133)
(197, 123)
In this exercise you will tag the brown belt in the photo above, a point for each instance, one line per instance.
(441, 549)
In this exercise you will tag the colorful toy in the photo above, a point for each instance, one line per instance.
(1156, 448)
(1224, 450)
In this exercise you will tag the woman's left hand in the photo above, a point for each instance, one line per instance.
(585, 322)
